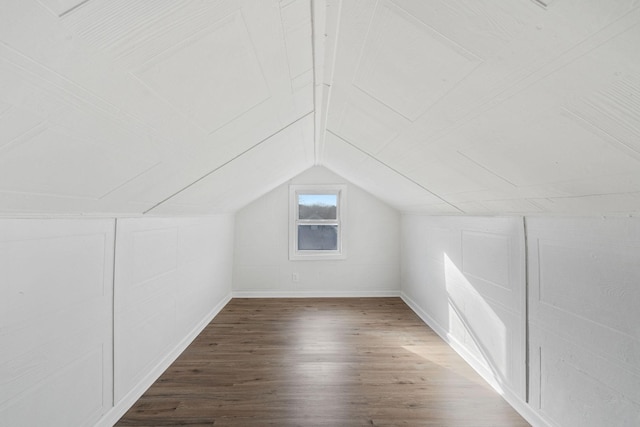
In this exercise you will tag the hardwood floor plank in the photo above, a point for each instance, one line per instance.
(319, 362)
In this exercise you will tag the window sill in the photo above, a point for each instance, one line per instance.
(315, 256)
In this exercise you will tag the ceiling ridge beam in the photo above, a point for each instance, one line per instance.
(323, 70)
(316, 50)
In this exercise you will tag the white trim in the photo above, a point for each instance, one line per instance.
(119, 409)
(316, 294)
(527, 412)
(340, 190)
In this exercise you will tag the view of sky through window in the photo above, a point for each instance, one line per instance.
(318, 199)
(317, 206)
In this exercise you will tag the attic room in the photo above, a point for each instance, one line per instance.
(481, 157)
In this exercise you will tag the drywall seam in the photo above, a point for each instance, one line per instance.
(111, 417)
(395, 170)
(68, 11)
(227, 162)
(526, 310)
(518, 404)
(113, 316)
(104, 215)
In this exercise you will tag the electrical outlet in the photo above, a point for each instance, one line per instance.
(294, 277)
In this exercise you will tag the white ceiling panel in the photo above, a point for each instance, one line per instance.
(569, 135)
(230, 186)
(363, 121)
(551, 149)
(15, 122)
(61, 7)
(116, 26)
(367, 127)
(607, 204)
(376, 178)
(191, 78)
(296, 22)
(128, 102)
(46, 162)
(482, 26)
(613, 112)
(407, 65)
(511, 206)
(546, 107)
(442, 106)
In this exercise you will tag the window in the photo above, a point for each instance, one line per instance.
(316, 221)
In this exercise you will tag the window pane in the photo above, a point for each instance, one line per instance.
(317, 206)
(317, 237)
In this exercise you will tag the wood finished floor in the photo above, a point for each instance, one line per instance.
(319, 362)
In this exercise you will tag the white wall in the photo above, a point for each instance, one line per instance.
(584, 304)
(56, 280)
(261, 261)
(59, 302)
(465, 276)
(171, 276)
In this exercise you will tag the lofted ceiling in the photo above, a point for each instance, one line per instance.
(435, 106)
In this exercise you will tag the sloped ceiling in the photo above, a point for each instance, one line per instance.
(195, 107)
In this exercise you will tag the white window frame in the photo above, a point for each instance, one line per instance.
(294, 190)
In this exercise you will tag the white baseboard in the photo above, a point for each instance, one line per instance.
(111, 417)
(518, 404)
(315, 294)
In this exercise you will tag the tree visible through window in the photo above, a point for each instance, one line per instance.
(316, 222)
